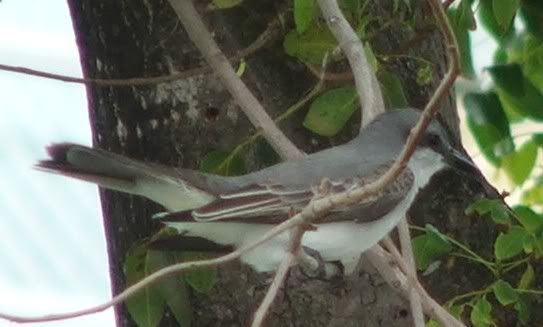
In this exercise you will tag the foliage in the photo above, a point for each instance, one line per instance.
(147, 307)
(520, 244)
(494, 115)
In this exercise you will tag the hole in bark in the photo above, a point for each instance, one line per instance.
(403, 313)
(211, 113)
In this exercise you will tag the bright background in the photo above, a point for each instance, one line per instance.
(52, 248)
(51, 238)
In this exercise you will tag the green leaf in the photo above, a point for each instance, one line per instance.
(529, 219)
(433, 323)
(200, 279)
(504, 292)
(532, 244)
(220, 162)
(310, 46)
(265, 153)
(392, 89)
(425, 75)
(481, 313)
(527, 278)
(147, 306)
(304, 12)
(509, 244)
(523, 311)
(532, 60)
(225, 4)
(489, 125)
(429, 246)
(488, 20)
(517, 91)
(496, 208)
(504, 11)
(464, 16)
(519, 164)
(330, 112)
(462, 21)
(538, 139)
(457, 310)
(173, 289)
(531, 13)
(533, 196)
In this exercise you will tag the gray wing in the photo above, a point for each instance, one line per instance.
(269, 203)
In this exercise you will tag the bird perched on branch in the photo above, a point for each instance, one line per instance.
(233, 211)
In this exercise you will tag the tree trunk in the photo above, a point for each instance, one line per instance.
(179, 122)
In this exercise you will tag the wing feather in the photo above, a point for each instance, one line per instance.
(271, 203)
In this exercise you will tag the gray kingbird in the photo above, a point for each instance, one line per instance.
(236, 210)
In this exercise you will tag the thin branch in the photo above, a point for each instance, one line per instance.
(200, 36)
(386, 264)
(264, 38)
(158, 275)
(407, 251)
(280, 275)
(367, 86)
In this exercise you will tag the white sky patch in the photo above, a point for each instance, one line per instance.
(52, 239)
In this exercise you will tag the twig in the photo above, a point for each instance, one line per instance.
(203, 40)
(289, 259)
(407, 251)
(263, 39)
(367, 86)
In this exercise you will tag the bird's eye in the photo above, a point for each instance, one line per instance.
(433, 140)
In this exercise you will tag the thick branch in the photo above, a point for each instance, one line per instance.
(367, 86)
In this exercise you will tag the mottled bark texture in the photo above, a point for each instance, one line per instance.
(179, 122)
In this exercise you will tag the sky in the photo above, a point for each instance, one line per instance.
(51, 239)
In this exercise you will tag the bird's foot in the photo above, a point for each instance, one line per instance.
(312, 265)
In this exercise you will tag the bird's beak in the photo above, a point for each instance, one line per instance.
(459, 161)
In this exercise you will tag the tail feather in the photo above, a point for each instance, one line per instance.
(89, 165)
(168, 187)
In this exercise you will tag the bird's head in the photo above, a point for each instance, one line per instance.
(434, 146)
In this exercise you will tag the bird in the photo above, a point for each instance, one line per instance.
(236, 210)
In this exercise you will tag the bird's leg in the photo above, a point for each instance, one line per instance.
(312, 265)
(310, 262)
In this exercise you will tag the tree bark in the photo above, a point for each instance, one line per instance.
(179, 122)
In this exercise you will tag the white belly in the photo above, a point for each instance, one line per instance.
(340, 241)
